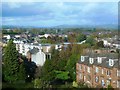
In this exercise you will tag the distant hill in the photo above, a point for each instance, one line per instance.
(10, 27)
(68, 26)
(110, 26)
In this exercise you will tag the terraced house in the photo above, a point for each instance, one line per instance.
(99, 68)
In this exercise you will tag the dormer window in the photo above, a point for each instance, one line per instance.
(111, 62)
(91, 60)
(99, 59)
(82, 58)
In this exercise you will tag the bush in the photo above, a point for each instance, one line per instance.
(37, 83)
(82, 85)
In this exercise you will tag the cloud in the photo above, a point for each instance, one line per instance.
(60, 1)
(57, 13)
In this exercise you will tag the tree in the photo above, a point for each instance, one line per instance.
(72, 37)
(47, 67)
(13, 70)
(82, 85)
(81, 37)
(90, 40)
(99, 44)
(38, 72)
(41, 33)
(62, 66)
(109, 87)
(22, 72)
(38, 83)
(65, 39)
(62, 75)
(75, 84)
(11, 64)
(70, 67)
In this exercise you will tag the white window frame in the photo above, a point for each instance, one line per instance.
(118, 84)
(84, 78)
(118, 73)
(91, 60)
(88, 69)
(111, 62)
(99, 59)
(80, 67)
(103, 82)
(102, 71)
(80, 76)
(96, 69)
(96, 79)
(108, 72)
(82, 58)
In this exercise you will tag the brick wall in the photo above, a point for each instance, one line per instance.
(94, 78)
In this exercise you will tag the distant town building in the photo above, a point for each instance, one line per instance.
(45, 35)
(7, 37)
(32, 51)
(37, 56)
(113, 42)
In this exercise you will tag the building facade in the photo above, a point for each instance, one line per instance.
(33, 52)
(98, 70)
(37, 56)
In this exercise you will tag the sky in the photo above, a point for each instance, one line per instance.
(47, 14)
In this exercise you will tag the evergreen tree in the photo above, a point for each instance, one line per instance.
(11, 62)
(22, 72)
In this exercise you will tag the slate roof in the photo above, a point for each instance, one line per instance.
(34, 51)
(116, 41)
(105, 61)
